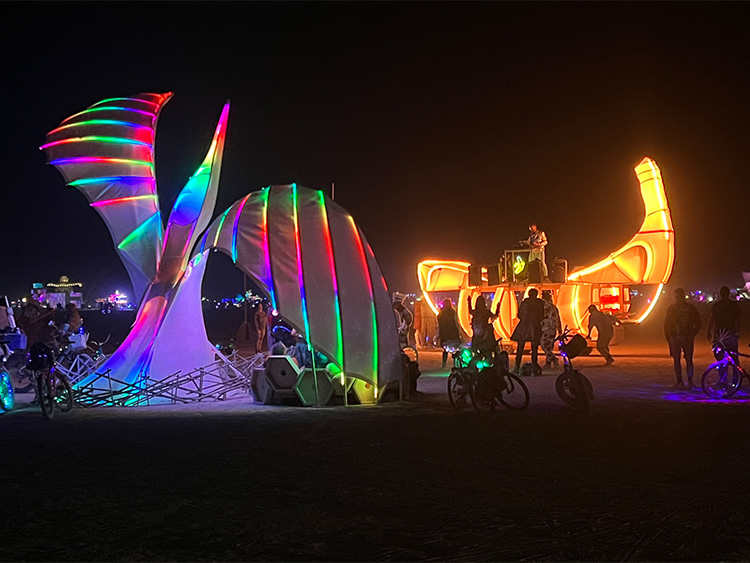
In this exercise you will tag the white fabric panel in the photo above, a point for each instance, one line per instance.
(181, 343)
(283, 251)
(316, 267)
(354, 297)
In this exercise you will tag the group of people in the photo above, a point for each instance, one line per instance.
(538, 325)
(682, 323)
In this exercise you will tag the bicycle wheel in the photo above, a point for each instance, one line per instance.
(457, 392)
(575, 389)
(721, 380)
(63, 393)
(515, 396)
(482, 395)
(564, 388)
(45, 394)
(23, 380)
(7, 398)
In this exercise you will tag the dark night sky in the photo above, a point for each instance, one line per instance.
(445, 126)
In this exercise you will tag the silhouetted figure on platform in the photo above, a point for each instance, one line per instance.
(483, 336)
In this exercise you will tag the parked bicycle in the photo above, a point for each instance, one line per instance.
(724, 377)
(485, 380)
(12, 339)
(571, 385)
(53, 389)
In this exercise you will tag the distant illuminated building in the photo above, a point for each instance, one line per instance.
(62, 292)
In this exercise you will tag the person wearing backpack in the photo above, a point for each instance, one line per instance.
(681, 323)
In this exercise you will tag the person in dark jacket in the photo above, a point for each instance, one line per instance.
(448, 331)
(681, 323)
(724, 323)
(605, 331)
(529, 328)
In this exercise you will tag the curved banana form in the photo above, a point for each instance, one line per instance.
(648, 258)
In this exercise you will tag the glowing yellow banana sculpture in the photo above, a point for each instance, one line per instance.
(647, 259)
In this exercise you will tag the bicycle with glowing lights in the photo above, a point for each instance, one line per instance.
(485, 380)
(571, 385)
(723, 378)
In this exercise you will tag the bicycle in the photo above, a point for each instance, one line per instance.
(52, 386)
(486, 380)
(724, 377)
(7, 395)
(571, 385)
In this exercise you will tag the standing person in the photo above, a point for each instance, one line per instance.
(681, 323)
(449, 333)
(529, 328)
(551, 327)
(260, 321)
(404, 318)
(483, 335)
(724, 322)
(605, 330)
(536, 242)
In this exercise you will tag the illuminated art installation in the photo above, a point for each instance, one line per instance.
(647, 259)
(303, 249)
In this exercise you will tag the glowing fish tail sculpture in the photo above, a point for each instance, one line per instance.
(146, 346)
(107, 152)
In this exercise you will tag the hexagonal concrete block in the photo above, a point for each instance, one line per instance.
(365, 392)
(281, 372)
(305, 387)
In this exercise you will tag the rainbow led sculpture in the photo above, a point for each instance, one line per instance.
(303, 249)
(647, 259)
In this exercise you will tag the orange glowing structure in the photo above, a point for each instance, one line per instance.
(647, 259)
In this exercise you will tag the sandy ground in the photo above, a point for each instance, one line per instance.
(651, 474)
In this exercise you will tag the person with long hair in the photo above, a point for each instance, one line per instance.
(449, 333)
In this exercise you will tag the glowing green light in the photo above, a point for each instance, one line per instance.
(519, 265)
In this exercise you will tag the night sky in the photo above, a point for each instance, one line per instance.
(446, 127)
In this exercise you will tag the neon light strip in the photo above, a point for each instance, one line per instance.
(332, 266)
(122, 200)
(101, 122)
(110, 108)
(133, 100)
(115, 140)
(92, 159)
(237, 227)
(269, 279)
(302, 294)
(653, 304)
(366, 269)
(107, 179)
(221, 224)
(300, 275)
(140, 229)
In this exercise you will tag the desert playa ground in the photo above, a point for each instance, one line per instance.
(651, 474)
